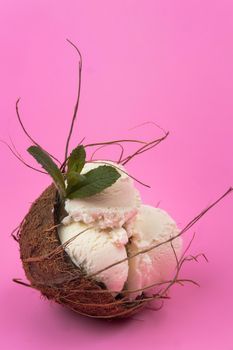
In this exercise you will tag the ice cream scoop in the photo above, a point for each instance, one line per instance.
(111, 208)
(93, 249)
(151, 226)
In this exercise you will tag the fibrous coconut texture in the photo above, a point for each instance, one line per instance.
(50, 270)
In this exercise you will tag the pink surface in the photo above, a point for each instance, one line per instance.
(165, 61)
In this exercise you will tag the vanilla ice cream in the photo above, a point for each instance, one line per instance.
(148, 228)
(120, 226)
(95, 249)
(112, 207)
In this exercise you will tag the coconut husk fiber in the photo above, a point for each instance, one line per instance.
(50, 270)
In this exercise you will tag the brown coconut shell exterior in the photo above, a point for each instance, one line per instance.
(50, 270)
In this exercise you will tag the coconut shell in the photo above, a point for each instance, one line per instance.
(50, 270)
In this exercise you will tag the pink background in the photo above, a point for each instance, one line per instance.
(165, 61)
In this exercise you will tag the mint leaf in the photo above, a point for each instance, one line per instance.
(76, 159)
(74, 182)
(96, 181)
(48, 164)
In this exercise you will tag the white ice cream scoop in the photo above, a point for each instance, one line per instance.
(110, 208)
(94, 250)
(149, 227)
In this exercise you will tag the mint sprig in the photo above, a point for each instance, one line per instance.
(74, 182)
(77, 185)
(96, 180)
(76, 159)
(52, 169)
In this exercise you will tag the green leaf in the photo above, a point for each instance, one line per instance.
(96, 181)
(48, 164)
(76, 159)
(74, 182)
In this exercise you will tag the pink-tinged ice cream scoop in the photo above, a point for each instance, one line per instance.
(150, 227)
